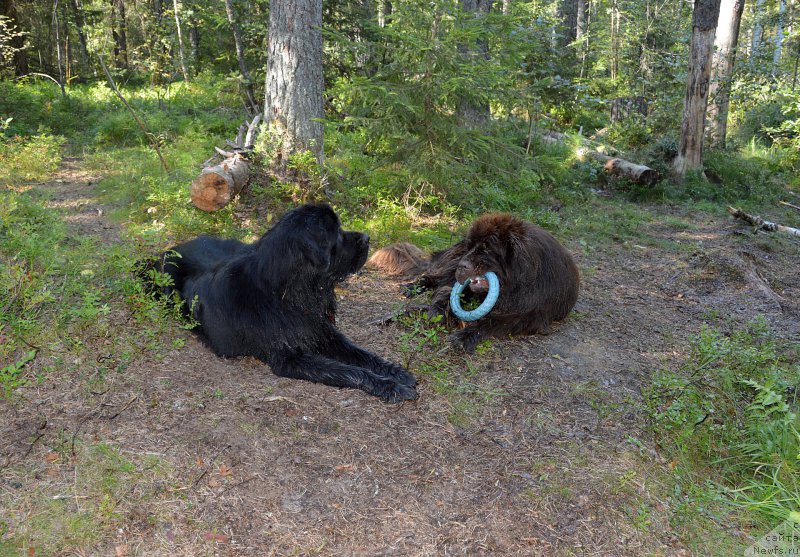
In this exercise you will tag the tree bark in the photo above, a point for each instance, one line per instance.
(637, 173)
(119, 33)
(194, 45)
(615, 166)
(218, 185)
(294, 83)
(80, 24)
(581, 18)
(59, 53)
(760, 224)
(755, 45)
(615, 40)
(725, 46)
(181, 50)
(237, 40)
(690, 149)
(568, 16)
(779, 37)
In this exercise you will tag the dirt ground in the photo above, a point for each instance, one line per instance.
(550, 455)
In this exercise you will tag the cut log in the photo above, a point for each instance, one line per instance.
(760, 224)
(637, 173)
(218, 185)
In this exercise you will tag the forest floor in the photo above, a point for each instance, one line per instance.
(535, 446)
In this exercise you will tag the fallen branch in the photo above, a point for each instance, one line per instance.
(795, 207)
(760, 224)
(218, 183)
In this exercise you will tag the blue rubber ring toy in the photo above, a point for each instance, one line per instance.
(481, 310)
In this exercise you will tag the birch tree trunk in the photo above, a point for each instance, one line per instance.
(615, 40)
(779, 38)
(725, 46)
(237, 41)
(294, 84)
(690, 149)
(755, 45)
(59, 53)
(181, 50)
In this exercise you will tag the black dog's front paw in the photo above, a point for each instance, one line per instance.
(401, 375)
(394, 393)
(466, 339)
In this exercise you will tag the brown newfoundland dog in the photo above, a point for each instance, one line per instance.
(538, 278)
(274, 299)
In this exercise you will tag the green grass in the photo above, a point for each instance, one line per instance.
(728, 419)
(426, 352)
(87, 492)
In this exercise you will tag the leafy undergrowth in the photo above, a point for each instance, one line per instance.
(728, 420)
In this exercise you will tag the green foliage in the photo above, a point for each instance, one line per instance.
(11, 375)
(730, 413)
(410, 110)
(424, 345)
(31, 158)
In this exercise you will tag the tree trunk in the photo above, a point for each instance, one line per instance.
(181, 50)
(725, 45)
(779, 38)
(471, 112)
(218, 185)
(568, 17)
(294, 84)
(582, 18)
(80, 24)
(384, 10)
(119, 33)
(690, 149)
(194, 45)
(237, 40)
(757, 31)
(59, 53)
(615, 40)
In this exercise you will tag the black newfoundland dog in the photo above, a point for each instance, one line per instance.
(274, 299)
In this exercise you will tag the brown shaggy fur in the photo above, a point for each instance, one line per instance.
(539, 280)
(402, 260)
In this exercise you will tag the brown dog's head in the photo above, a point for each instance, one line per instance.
(489, 246)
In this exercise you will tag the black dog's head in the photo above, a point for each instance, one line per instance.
(317, 236)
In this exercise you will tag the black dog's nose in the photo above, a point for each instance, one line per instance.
(364, 238)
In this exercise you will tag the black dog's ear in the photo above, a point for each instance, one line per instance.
(318, 250)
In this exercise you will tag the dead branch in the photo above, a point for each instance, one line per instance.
(760, 224)
(795, 207)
